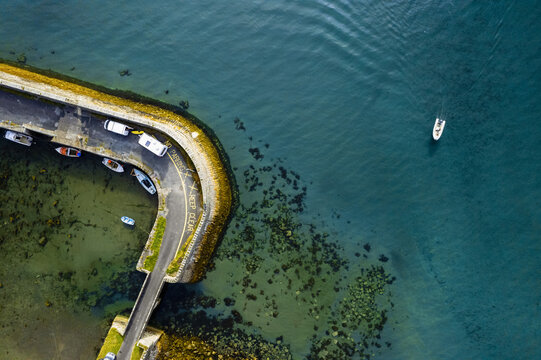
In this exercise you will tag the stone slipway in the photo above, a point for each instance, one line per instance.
(147, 343)
(213, 176)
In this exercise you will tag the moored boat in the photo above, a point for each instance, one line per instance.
(113, 165)
(127, 220)
(438, 128)
(144, 180)
(68, 151)
(18, 138)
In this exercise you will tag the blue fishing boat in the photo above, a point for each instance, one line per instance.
(127, 220)
(144, 180)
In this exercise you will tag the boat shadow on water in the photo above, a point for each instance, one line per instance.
(433, 147)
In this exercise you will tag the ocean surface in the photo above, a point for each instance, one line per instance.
(344, 94)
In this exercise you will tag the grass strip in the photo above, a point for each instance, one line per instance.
(175, 263)
(136, 353)
(155, 244)
(112, 343)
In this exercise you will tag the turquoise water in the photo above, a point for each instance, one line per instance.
(346, 93)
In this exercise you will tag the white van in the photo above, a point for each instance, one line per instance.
(117, 127)
(152, 144)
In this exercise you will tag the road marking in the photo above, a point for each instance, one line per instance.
(192, 201)
(191, 222)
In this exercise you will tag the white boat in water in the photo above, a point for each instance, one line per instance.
(113, 165)
(127, 220)
(68, 151)
(144, 180)
(438, 128)
(18, 138)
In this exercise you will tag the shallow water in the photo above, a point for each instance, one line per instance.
(345, 94)
(68, 260)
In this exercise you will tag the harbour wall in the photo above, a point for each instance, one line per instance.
(214, 176)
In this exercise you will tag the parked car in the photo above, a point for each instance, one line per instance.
(117, 127)
(152, 144)
(110, 356)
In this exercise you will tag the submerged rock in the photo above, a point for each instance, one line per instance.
(298, 262)
(21, 58)
(184, 104)
(125, 72)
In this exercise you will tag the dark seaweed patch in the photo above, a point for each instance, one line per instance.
(272, 244)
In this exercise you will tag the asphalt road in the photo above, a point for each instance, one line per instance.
(78, 128)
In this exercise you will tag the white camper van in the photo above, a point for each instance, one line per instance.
(152, 144)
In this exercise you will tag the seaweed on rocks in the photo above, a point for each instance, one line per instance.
(184, 104)
(275, 262)
(361, 317)
(202, 336)
(21, 58)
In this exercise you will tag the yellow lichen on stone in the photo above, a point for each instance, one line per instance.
(194, 348)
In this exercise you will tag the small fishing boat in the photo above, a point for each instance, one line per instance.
(113, 165)
(438, 128)
(68, 151)
(144, 180)
(18, 138)
(127, 220)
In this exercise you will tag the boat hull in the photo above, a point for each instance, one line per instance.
(128, 221)
(68, 151)
(145, 181)
(439, 125)
(112, 165)
(18, 138)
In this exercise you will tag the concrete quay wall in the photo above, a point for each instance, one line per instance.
(216, 189)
